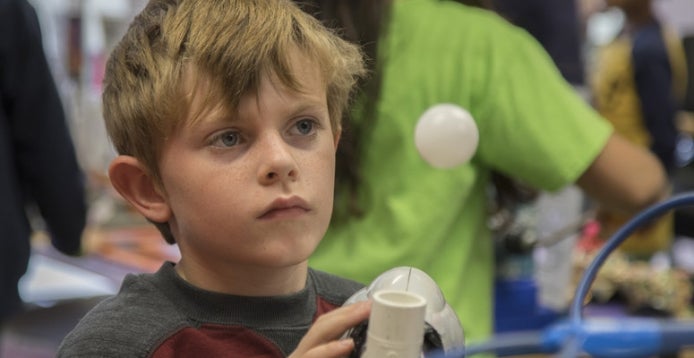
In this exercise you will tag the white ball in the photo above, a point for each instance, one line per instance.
(446, 136)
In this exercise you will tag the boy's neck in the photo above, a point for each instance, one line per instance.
(256, 282)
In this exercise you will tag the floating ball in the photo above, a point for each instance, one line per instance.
(446, 136)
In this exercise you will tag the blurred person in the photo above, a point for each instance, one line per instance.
(639, 84)
(640, 80)
(38, 165)
(394, 209)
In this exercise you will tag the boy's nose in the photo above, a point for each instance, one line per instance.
(277, 161)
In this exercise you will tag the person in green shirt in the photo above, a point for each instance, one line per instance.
(394, 209)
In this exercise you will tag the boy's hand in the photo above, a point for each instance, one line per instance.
(322, 339)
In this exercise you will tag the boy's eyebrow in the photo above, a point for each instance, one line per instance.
(303, 105)
(309, 105)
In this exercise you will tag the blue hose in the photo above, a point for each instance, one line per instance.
(576, 309)
(599, 336)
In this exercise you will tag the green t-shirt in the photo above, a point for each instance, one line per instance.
(532, 127)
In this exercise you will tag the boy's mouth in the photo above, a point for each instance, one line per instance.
(285, 208)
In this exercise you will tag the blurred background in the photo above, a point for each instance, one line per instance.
(58, 290)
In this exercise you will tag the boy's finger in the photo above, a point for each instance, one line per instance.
(330, 326)
(333, 324)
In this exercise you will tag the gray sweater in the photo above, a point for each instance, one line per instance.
(161, 315)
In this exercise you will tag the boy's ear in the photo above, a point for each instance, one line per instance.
(129, 177)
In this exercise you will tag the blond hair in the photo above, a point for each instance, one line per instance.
(230, 42)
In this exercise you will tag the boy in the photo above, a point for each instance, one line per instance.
(225, 114)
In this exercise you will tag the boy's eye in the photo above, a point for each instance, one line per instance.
(227, 139)
(305, 126)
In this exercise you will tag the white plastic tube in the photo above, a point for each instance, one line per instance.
(396, 325)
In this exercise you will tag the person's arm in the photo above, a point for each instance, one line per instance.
(625, 177)
(45, 156)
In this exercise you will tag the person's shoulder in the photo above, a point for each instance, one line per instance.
(649, 42)
(12, 11)
(5, 5)
(333, 288)
(129, 323)
(460, 28)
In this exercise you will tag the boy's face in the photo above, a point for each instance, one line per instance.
(253, 189)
